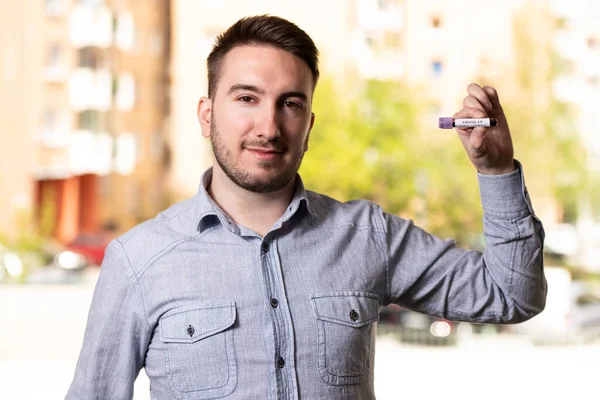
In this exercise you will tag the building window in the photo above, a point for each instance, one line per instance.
(54, 129)
(54, 69)
(54, 8)
(125, 157)
(437, 68)
(89, 58)
(92, 120)
(592, 42)
(436, 22)
(384, 4)
(126, 91)
(49, 123)
(54, 56)
(125, 31)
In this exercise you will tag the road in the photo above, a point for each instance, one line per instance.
(41, 329)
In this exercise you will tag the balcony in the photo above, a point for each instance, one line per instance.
(55, 130)
(55, 74)
(90, 153)
(90, 24)
(125, 31)
(126, 154)
(55, 68)
(90, 89)
(125, 94)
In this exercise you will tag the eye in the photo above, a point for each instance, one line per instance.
(292, 104)
(245, 99)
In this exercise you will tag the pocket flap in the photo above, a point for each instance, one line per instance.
(190, 325)
(353, 309)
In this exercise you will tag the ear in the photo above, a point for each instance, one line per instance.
(312, 122)
(204, 115)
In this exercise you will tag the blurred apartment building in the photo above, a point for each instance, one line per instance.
(578, 43)
(437, 45)
(84, 100)
(118, 76)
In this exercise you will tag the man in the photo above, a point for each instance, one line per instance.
(259, 289)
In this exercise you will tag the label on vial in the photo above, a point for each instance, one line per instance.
(471, 122)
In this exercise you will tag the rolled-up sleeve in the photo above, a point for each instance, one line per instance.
(503, 284)
(116, 335)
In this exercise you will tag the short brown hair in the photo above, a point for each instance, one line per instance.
(262, 30)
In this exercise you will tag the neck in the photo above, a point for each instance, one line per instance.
(256, 211)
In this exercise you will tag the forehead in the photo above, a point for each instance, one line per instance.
(266, 67)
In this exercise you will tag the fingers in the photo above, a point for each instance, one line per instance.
(472, 102)
(476, 92)
(493, 96)
(471, 112)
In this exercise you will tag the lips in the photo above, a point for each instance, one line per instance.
(265, 150)
(264, 154)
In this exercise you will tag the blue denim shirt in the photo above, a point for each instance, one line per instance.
(212, 310)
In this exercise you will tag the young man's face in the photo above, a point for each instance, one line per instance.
(260, 117)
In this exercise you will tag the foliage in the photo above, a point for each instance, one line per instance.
(372, 145)
(368, 142)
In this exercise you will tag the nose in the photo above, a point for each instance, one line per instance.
(268, 126)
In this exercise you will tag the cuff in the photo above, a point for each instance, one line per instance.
(505, 194)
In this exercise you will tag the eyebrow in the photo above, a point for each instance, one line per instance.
(238, 87)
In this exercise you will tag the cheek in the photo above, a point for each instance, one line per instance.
(238, 123)
(233, 127)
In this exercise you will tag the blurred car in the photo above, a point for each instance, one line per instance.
(47, 262)
(91, 245)
(583, 319)
(416, 328)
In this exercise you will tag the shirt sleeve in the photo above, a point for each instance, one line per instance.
(503, 284)
(116, 336)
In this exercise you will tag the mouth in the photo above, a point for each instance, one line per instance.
(264, 154)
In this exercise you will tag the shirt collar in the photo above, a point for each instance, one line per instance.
(208, 213)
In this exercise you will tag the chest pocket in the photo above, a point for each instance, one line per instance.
(199, 352)
(345, 335)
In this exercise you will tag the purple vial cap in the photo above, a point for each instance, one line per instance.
(445, 123)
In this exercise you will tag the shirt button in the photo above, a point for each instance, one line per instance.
(353, 315)
(281, 362)
(274, 303)
(190, 330)
(265, 247)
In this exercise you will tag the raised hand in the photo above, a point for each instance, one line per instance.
(489, 149)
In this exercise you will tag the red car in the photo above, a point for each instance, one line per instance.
(91, 245)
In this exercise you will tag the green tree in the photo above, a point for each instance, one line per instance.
(363, 146)
(373, 145)
(368, 142)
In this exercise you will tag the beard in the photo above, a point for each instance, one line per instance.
(274, 180)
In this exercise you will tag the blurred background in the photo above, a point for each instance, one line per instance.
(98, 109)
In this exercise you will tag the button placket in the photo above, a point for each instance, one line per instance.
(264, 247)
